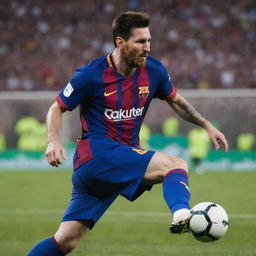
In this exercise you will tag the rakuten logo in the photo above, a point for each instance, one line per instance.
(121, 114)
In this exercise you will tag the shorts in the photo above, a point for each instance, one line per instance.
(104, 169)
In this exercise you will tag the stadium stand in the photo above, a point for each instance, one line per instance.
(204, 44)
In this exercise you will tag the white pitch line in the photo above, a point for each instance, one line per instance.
(115, 213)
(163, 214)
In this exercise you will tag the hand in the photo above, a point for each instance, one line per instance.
(54, 153)
(216, 137)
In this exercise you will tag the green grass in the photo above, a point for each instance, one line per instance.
(32, 204)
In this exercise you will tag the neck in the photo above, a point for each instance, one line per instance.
(120, 63)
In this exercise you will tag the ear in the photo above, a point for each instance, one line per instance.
(120, 42)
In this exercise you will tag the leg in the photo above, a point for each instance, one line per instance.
(63, 242)
(70, 234)
(172, 172)
(160, 165)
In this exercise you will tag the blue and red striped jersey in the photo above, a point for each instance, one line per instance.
(113, 104)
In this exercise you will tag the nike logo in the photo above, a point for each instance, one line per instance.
(186, 186)
(140, 151)
(106, 94)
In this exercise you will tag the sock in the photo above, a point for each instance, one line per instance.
(47, 247)
(181, 214)
(176, 192)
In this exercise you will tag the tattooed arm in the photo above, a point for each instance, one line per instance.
(185, 110)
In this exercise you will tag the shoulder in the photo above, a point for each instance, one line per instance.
(92, 71)
(95, 65)
(156, 67)
(154, 63)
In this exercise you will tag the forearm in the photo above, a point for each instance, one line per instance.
(53, 122)
(185, 110)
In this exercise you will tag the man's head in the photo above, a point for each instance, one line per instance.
(131, 35)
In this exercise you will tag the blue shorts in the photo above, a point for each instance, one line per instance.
(104, 169)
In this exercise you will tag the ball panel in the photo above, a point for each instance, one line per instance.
(217, 214)
(218, 230)
(198, 223)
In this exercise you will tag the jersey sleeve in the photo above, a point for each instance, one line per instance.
(165, 89)
(77, 90)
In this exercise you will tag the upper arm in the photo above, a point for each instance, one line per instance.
(77, 90)
(165, 88)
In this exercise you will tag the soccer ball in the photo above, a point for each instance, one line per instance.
(208, 222)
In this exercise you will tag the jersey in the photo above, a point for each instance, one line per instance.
(107, 162)
(112, 104)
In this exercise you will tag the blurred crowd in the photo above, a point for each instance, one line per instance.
(204, 44)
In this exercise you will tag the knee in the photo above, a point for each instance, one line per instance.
(69, 235)
(173, 163)
(161, 165)
(68, 244)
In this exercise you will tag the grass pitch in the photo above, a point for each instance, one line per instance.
(32, 204)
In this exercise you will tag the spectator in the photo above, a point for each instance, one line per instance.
(206, 44)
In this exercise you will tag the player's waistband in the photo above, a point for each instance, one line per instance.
(102, 137)
(87, 135)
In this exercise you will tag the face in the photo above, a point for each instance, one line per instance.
(137, 47)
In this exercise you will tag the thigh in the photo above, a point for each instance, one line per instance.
(160, 165)
(86, 208)
(114, 168)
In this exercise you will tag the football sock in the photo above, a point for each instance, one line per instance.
(47, 247)
(176, 193)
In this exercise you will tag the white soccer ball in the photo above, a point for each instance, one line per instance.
(208, 222)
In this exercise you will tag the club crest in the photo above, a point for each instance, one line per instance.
(143, 91)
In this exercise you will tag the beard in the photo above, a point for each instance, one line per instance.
(134, 60)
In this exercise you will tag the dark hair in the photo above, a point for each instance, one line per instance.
(123, 24)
